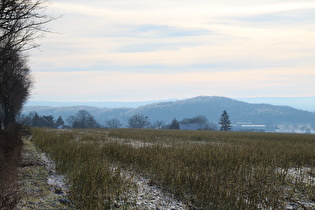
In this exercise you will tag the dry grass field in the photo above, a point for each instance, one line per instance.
(202, 169)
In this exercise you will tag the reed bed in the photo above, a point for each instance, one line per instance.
(204, 169)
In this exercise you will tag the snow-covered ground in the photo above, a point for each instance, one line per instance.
(147, 195)
(304, 175)
(302, 128)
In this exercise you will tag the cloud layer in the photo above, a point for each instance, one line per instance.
(147, 50)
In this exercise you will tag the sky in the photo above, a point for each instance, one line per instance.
(142, 50)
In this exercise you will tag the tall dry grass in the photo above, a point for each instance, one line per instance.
(205, 169)
(94, 184)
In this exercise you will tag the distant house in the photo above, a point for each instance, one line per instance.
(248, 126)
(191, 126)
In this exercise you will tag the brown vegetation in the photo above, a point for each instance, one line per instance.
(10, 155)
(204, 169)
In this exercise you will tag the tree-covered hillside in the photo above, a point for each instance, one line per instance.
(211, 107)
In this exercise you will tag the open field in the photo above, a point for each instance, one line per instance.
(202, 169)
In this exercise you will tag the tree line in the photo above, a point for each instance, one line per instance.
(84, 119)
(21, 23)
(141, 121)
(35, 120)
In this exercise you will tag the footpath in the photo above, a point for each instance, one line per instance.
(40, 186)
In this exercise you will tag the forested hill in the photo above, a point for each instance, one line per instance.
(211, 107)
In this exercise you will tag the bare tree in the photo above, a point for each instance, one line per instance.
(113, 123)
(83, 119)
(201, 119)
(159, 124)
(211, 126)
(21, 23)
(138, 121)
(15, 82)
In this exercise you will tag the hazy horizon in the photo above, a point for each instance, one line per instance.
(304, 103)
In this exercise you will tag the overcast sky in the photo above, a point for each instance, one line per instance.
(140, 50)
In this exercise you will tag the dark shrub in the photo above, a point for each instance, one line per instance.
(10, 156)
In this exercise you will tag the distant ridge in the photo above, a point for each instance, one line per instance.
(304, 103)
(209, 106)
(212, 107)
(95, 104)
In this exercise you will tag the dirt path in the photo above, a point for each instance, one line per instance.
(40, 186)
(43, 188)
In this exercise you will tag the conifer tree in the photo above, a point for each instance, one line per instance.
(59, 122)
(174, 124)
(36, 121)
(225, 122)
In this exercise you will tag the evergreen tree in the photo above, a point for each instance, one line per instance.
(48, 121)
(225, 122)
(59, 122)
(36, 121)
(174, 124)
